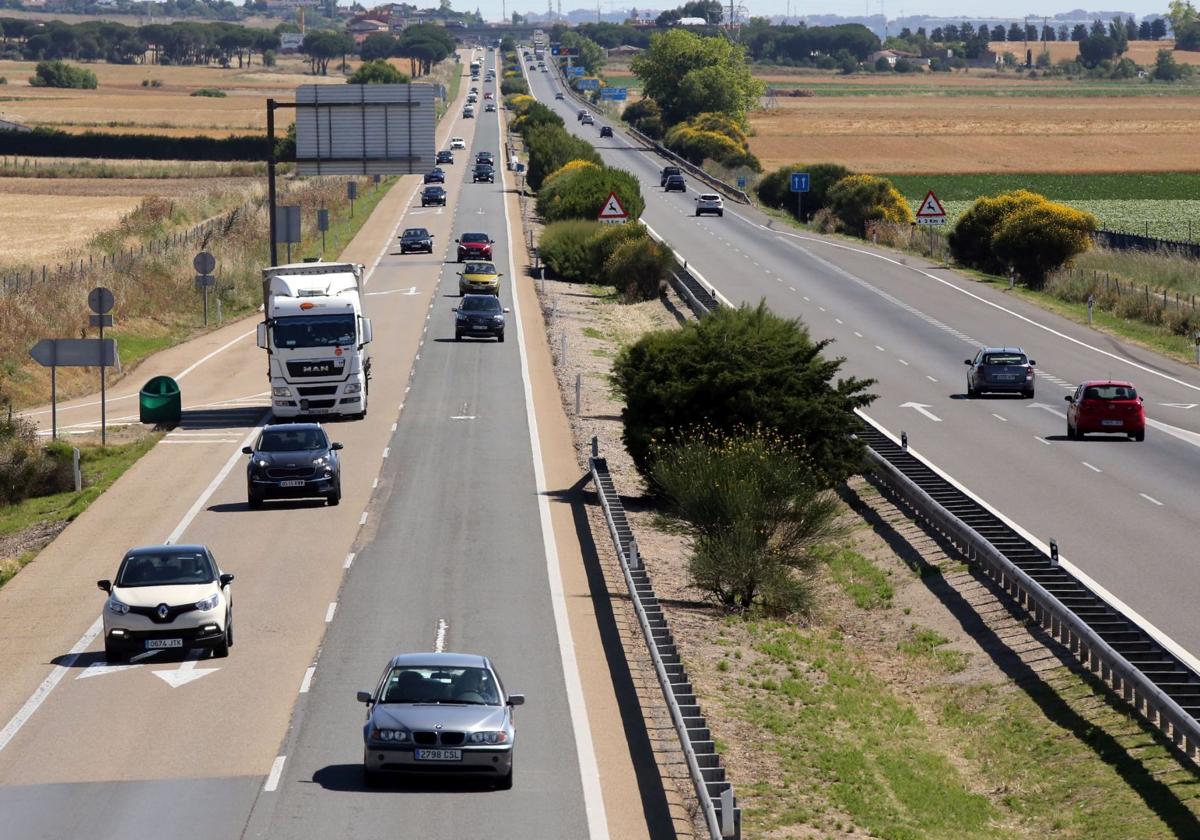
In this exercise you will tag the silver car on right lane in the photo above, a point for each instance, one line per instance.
(439, 713)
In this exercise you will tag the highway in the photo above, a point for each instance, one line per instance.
(440, 542)
(1123, 513)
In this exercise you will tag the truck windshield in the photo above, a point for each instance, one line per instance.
(314, 331)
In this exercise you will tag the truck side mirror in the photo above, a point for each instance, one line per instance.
(261, 335)
(367, 334)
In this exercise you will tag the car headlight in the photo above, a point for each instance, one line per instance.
(282, 391)
(319, 462)
(396, 736)
(489, 737)
(499, 319)
(209, 603)
(353, 388)
(116, 606)
(261, 463)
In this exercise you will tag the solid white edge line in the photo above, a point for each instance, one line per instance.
(363, 519)
(439, 638)
(276, 772)
(1090, 467)
(349, 560)
(1151, 499)
(330, 611)
(43, 691)
(1112, 600)
(306, 683)
(589, 770)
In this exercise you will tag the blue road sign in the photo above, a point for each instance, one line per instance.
(800, 182)
(741, 182)
(614, 94)
(574, 70)
(554, 49)
(587, 84)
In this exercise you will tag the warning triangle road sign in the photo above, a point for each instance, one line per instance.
(931, 207)
(612, 209)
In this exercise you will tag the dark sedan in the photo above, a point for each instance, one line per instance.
(436, 176)
(416, 239)
(479, 316)
(445, 157)
(483, 172)
(433, 194)
(1000, 369)
(675, 183)
(486, 157)
(293, 461)
(606, 131)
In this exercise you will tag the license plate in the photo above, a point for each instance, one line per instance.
(292, 483)
(151, 644)
(438, 755)
(479, 326)
(1112, 422)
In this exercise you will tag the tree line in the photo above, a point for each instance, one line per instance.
(181, 42)
(424, 45)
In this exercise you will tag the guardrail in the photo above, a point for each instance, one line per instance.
(722, 815)
(715, 183)
(1134, 664)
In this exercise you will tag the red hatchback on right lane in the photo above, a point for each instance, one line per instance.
(1106, 406)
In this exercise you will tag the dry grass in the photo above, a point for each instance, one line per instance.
(981, 134)
(1141, 52)
(29, 239)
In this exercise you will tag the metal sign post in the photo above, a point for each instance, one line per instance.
(100, 301)
(323, 226)
(204, 263)
(800, 184)
(73, 352)
(351, 193)
(932, 214)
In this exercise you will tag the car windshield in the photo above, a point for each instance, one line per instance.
(475, 237)
(1109, 392)
(480, 303)
(1005, 359)
(430, 684)
(291, 440)
(415, 233)
(314, 331)
(167, 569)
(671, 170)
(479, 268)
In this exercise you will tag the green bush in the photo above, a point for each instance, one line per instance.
(581, 193)
(741, 368)
(45, 142)
(774, 190)
(534, 114)
(564, 248)
(858, 199)
(639, 268)
(508, 86)
(215, 93)
(378, 72)
(550, 147)
(28, 469)
(268, 58)
(757, 510)
(715, 137)
(1042, 238)
(970, 240)
(646, 117)
(59, 74)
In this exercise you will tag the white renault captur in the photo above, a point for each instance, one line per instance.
(168, 596)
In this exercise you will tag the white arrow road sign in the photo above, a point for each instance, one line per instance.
(1049, 408)
(923, 409)
(99, 669)
(1180, 405)
(186, 672)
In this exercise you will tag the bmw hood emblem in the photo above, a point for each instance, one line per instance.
(162, 610)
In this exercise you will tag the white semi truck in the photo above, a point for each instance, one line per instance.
(316, 335)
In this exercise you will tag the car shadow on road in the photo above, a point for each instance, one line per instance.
(348, 778)
(655, 806)
(281, 504)
(1114, 438)
(163, 656)
(1033, 677)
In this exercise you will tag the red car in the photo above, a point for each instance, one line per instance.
(1106, 406)
(474, 246)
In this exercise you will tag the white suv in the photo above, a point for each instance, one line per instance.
(168, 597)
(709, 203)
(457, 143)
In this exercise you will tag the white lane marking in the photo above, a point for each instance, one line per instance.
(880, 349)
(589, 771)
(806, 300)
(921, 408)
(363, 519)
(838, 320)
(1090, 467)
(822, 308)
(998, 417)
(203, 498)
(330, 611)
(930, 378)
(1041, 440)
(374, 483)
(306, 683)
(1174, 431)
(273, 777)
(1151, 499)
(857, 334)
(145, 655)
(386, 450)
(186, 672)
(394, 426)
(349, 560)
(184, 442)
(901, 361)
(439, 638)
(43, 691)
(463, 417)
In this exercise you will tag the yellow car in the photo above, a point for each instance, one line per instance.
(479, 278)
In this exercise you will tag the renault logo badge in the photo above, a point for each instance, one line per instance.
(162, 610)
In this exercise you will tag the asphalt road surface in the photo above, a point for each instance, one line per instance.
(1125, 514)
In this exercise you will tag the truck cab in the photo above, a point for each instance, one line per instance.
(316, 336)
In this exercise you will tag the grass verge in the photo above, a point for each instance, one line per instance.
(32, 523)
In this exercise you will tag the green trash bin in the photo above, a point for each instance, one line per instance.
(160, 401)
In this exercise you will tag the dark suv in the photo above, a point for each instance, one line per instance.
(485, 157)
(667, 172)
(481, 316)
(483, 172)
(293, 461)
(674, 183)
(1000, 369)
(433, 194)
(416, 239)
(445, 157)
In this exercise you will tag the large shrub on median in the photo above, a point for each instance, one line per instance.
(581, 193)
(741, 368)
(639, 268)
(858, 199)
(578, 250)
(775, 188)
(646, 117)
(550, 148)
